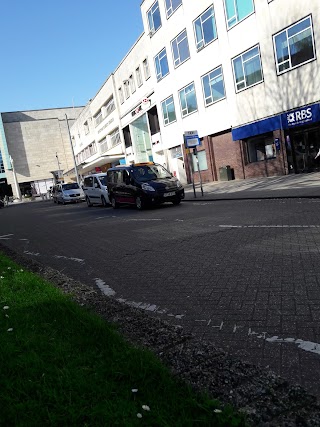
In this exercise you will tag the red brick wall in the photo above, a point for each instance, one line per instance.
(221, 150)
(227, 152)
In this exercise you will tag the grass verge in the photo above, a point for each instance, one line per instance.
(62, 365)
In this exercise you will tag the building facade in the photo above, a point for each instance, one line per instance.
(35, 148)
(242, 74)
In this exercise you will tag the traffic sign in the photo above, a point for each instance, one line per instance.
(191, 139)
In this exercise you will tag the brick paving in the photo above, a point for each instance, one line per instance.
(237, 273)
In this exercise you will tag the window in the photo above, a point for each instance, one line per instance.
(237, 10)
(172, 6)
(1, 164)
(98, 118)
(247, 69)
(203, 165)
(188, 100)
(86, 128)
(180, 48)
(154, 18)
(103, 144)
(132, 84)
(121, 95)
(109, 106)
(126, 88)
(205, 28)
(213, 86)
(260, 148)
(168, 110)
(115, 137)
(294, 46)
(161, 64)
(146, 69)
(139, 77)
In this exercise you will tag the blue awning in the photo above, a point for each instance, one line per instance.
(299, 117)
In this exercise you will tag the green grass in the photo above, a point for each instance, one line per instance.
(62, 365)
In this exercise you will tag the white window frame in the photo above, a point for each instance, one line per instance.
(201, 43)
(170, 10)
(237, 20)
(121, 97)
(132, 84)
(98, 118)
(287, 39)
(146, 68)
(150, 14)
(224, 88)
(115, 138)
(244, 77)
(187, 113)
(158, 57)
(165, 104)
(139, 76)
(109, 107)
(177, 61)
(126, 89)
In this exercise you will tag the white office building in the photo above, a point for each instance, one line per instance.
(242, 74)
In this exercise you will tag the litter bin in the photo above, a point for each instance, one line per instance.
(225, 173)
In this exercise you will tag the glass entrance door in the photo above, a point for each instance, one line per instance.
(305, 146)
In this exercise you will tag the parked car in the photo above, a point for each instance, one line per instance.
(67, 193)
(143, 184)
(96, 190)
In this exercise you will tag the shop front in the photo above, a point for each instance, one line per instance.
(282, 144)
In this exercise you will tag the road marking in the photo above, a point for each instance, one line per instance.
(31, 253)
(143, 219)
(6, 236)
(310, 346)
(104, 288)
(69, 258)
(269, 226)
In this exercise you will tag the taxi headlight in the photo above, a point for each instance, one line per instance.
(147, 187)
(179, 184)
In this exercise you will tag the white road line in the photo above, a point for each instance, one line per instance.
(68, 258)
(6, 236)
(104, 288)
(269, 226)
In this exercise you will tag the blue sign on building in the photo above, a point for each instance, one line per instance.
(301, 116)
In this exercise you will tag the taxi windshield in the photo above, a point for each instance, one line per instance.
(72, 186)
(145, 173)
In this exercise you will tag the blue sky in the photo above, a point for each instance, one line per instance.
(55, 53)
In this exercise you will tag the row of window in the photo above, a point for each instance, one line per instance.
(130, 84)
(235, 10)
(105, 144)
(102, 113)
(294, 46)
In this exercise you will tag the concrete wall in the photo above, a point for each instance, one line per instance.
(33, 139)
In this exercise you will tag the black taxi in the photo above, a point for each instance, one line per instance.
(143, 184)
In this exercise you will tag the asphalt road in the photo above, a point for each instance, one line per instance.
(244, 274)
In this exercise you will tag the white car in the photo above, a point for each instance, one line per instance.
(96, 190)
(67, 193)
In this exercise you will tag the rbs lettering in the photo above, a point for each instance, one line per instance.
(299, 116)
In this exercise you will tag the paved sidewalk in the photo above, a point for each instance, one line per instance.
(288, 186)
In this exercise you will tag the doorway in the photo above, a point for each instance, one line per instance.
(305, 145)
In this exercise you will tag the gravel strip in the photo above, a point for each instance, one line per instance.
(266, 399)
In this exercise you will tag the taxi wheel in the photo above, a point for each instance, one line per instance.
(88, 202)
(114, 204)
(139, 203)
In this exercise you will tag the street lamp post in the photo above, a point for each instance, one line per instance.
(16, 184)
(74, 158)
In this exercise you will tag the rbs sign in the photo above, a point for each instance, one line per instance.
(301, 117)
